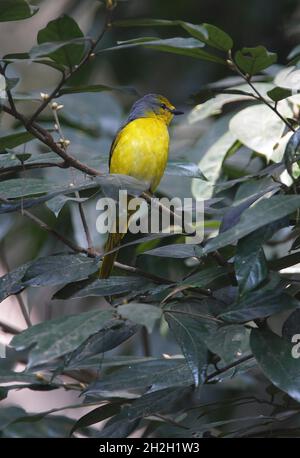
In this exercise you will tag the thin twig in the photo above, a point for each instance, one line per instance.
(233, 65)
(36, 165)
(85, 225)
(229, 366)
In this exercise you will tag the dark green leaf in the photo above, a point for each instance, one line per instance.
(233, 214)
(189, 332)
(179, 250)
(279, 93)
(161, 401)
(217, 38)
(184, 169)
(51, 270)
(118, 427)
(13, 140)
(110, 336)
(97, 415)
(11, 283)
(262, 213)
(274, 355)
(63, 29)
(20, 187)
(254, 60)
(230, 342)
(291, 326)
(204, 277)
(54, 338)
(50, 49)
(157, 374)
(103, 287)
(14, 10)
(260, 303)
(184, 46)
(143, 314)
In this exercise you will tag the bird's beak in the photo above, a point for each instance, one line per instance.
(177, 112)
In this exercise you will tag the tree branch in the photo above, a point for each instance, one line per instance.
(233, 65)
(229, 366)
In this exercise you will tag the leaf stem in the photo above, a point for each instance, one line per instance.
(233, 65)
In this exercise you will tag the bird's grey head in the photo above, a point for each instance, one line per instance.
(153, 105)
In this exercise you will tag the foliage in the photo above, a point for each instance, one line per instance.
(214, 303)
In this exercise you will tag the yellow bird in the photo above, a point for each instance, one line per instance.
(140, 150)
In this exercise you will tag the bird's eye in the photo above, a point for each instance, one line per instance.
(163, 106)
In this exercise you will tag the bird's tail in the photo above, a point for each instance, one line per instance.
(113, 241)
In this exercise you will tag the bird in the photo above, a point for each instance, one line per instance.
(140, 150)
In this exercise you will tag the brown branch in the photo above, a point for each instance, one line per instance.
(36, 165)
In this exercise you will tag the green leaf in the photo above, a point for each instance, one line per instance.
(63, 29)
(14, 10)
(205, 33)
(144, 314)
(163, 401)
(52, 48)
(184, 46)
(20, 187)
(233, 214)
(59, 269)
(274, 355)
(96, 415)
(291, 326)
(260, 303)
(204, 277)
(258, 128)
(260, 214)
(230, 342)
(55, 426)
(110, 336)
(55, 338)
(118, 427)
(217, 38)
(250, 263)
(13, 140)
(157, 374)
(189, 331)
(178, 250)
(11, 283)
(254, 60)
(103, 287)
(184, 169)
(279, 93)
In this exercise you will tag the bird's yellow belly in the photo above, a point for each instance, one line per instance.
(141, 151)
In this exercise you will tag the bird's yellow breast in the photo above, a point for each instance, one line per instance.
(141, 150)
